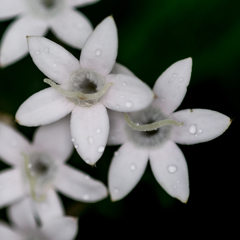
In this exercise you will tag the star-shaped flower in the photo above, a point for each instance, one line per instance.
(25, 227)
(39, 168)
(35, 17)
(166, 159)
(85, 89)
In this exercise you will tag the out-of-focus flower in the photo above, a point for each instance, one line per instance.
(39, 168)
(35, 17)
(25, 227)
(166, 159)
(85, 89)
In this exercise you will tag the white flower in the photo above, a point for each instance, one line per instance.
(25, 227)
(35, 17)
(39, 169)
(98, 89)
(166, 159)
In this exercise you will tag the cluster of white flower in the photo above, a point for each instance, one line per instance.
(86, 87)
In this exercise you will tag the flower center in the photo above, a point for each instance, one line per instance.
(151, 127)
(45, 9)
(40, 171)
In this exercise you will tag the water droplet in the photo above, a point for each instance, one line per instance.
(133, 167)
(73, 139)
(98, 52)
(101, 149)
(124, 84)
(174, 75)
(86, 197)
(128, 104)
(122, 97)
(172, 168)
(51, 55)
(46, 50)
(116, 190)
(54, 64)
(181, 79)
(116, 154)
(174, 186)
(137, 124)
(99, 130)
(87, 177)
(193, 129)
(76, 146)
(13, 143)
(90, 140)
(87, 161)
(162, 99)
(37, 52)
(200, 130)
(29, 165)
(177, 181)
(170, 80)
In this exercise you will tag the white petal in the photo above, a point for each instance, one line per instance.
(55, 139)
(81, 3)
(43, 107)
(11, 186)
(50, 207)
(12, 145)
(10, 8)
(7, 233)
(126, 170)
(117, 134)
(171, 86)
(200, 125)
(72, 27)
(79, 186)
(90, 128)
(21, 215)
(170, 170)
(52, 59)
(14, 44)
(100, 50)
(64, 228)
(127, 94)
(120, 69)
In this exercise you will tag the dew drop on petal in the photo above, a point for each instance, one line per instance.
(116, 154)
(193, 129)
(116, 190)
(87, 177)
(101, 149)
(54, 64)
(133, 167)
(124, 84)
(87, 161)
(73, 139)
(51, 55)
(174, 186)
(200, 130)
(90, 140)
(13, 143)
(172, 168)
(170, 80)
(76, 146)
(99, 130)
(98, 52)
(174, 75)
(181, 79)
(37, 52)
(128, 104)
(86, 197)
(177, 181)
(46, 50)
(122, 97)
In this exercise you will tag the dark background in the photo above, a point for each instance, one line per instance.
(153, 34)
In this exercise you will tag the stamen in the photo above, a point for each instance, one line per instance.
(32, 180)
(151, 126)
(79, 95)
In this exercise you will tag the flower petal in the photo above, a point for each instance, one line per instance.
(170, 170)
(12, 144)
(52, 59)
(120, 69)
(79, 186)
(50, 207)
(126, 169)
(117, 134)
(64, 228)
(14, 44)
(55, 139)
(21, 215)
(81, 3)
(7, 233)
(171, 86)
(200, 125)
(100, 50)
(90, 128)
(11, 8)
(11, 186)
(72, 27)
(43, 107)
(127, 94)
